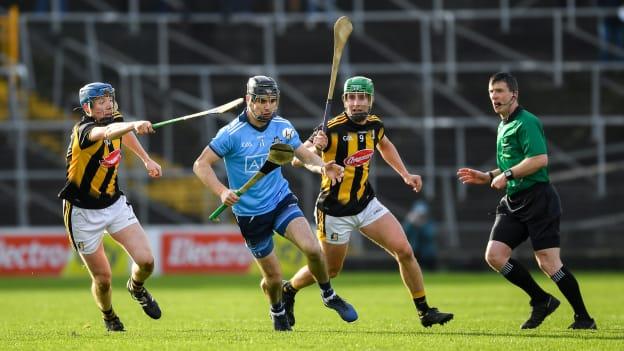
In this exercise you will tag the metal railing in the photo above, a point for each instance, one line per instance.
(426, 70)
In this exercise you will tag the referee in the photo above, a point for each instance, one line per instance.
(530, 208)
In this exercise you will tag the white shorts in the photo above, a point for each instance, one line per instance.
(337, 230)
(86, 226)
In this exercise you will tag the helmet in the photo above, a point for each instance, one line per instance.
(262, 85)
(93, 90)
(359, 84)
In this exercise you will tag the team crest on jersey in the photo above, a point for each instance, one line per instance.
(111, 160)
(359, 158)
(288, 133)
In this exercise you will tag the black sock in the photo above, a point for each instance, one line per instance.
(421, 304)
(519, 276)
(277, 307)
(110, 314)
(288, 289)
(326, 288)
(136, 286)
(570, 289)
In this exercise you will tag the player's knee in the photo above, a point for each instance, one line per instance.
(404, 254)
(102, 281)
(314, 253)
(271, 281)
(543, 266)
(147, 266)
(333, 271)
(495, 259)
(549, 267)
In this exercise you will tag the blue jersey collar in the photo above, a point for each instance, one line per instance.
(243, 118)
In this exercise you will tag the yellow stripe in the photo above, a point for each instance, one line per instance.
(349, 173)
(329, 155)
(336, 121)
(369, 145)
(110, 190)
(98, 177)
(320, 225)
(66, 214)
(78, 161)
(100, 174)
(67, 209)
(418, 294)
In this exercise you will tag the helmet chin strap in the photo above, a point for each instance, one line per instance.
(259, 118)
(359, 117)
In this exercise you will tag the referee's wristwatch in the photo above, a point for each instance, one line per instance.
(508, 174)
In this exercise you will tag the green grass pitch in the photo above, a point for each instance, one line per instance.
(230, 313)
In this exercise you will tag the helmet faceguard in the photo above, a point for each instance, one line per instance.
(95, 90)
(358, 85)
(262, 90)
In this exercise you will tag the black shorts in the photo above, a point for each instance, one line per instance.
(531, 213)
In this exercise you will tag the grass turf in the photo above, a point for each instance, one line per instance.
(230, 313)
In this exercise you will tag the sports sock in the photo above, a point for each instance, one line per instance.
(277, 307)
(569, 287)
(421, 304)
(519, 276)
(136, 286)
(110, 314)
(326, 289)
(288, 288)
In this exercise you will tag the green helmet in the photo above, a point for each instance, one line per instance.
(359, 84)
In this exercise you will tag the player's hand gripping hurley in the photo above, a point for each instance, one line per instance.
(342, 30)
(213, 111)
(279, 154)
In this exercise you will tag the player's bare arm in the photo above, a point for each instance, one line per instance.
(317, 146)
(204, 171)
(390, 154)
(320, 141)
(296, 162)
(153, 168)
(117, 129)
(314, 163)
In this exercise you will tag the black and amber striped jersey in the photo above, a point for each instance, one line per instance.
(352, 146)
(91, 179)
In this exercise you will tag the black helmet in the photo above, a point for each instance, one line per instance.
(262, 85)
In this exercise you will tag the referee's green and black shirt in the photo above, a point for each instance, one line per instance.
(520, 136)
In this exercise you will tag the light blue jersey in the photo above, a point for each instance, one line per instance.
(244, 148)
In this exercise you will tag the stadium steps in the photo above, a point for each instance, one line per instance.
(184, 193)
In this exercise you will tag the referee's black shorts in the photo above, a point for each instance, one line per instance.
(531, 213)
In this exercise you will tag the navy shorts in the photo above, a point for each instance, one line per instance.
(258, 230)
(532, 213)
